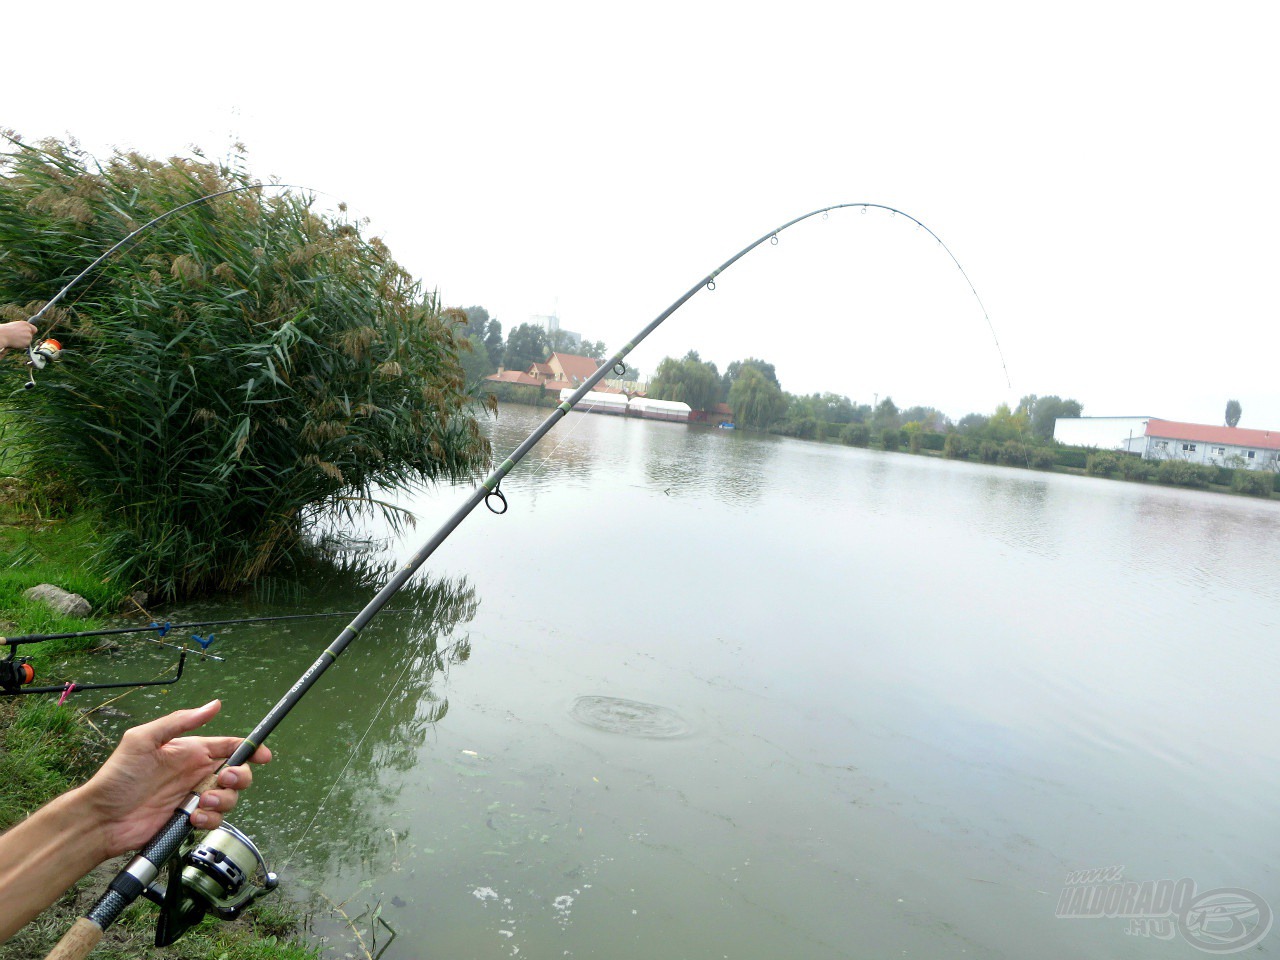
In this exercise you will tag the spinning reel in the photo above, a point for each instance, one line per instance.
(15, 672)
(40, 356)
(221, 873)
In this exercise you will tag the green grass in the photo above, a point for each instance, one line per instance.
(46, 749)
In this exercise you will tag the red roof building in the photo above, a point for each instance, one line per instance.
(566, 366)
(1204, 433)
(1220, 446)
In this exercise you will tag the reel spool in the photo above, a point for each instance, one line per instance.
(214, 874)
(15, 672)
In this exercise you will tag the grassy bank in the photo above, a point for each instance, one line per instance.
(46, 749)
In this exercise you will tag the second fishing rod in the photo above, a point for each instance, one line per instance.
(144, 869)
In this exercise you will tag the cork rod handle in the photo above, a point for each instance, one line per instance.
(77, 942)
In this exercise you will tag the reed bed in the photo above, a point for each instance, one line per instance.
(240, 367)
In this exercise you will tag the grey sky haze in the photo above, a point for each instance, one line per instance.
(1105, 172)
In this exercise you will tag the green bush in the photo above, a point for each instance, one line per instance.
(891, 439)
(1184, 474)
(1042, 458)
(524, 393)
(1071, 457)
(241, 367)
(802, 428)
(1102, 464)
(1252, 482)
(989, 451)
(932, 441)
(957, 447)
(1015, 453)
(1135, 468)
(856, 435)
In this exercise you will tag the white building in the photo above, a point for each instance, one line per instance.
(551, 323)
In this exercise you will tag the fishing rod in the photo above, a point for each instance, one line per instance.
(164, 628)
(169, 847)
(17, 672)
(48, 350)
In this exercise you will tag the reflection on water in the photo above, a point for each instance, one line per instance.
(910, 696)
(351, 738)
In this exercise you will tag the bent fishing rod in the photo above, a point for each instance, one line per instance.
(43, 352)
(139, 877)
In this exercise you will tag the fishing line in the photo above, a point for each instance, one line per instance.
(541, 465)
(351, 756)
(164, 845)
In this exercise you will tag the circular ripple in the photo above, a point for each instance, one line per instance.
(630, 718)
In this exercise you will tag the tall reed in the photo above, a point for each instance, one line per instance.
(241, 366)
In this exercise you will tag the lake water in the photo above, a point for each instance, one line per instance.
(706, 694)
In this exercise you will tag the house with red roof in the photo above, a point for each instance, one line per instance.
(1237, 447)
(560, 371)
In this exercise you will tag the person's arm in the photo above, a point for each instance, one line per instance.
(132, 796)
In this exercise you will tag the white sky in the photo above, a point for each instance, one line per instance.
(1105, 172)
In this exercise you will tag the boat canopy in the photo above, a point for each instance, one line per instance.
(650, 405)
(607, 401)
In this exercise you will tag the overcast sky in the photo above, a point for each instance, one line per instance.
(1104, 172)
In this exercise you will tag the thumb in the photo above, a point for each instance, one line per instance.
(175, 724)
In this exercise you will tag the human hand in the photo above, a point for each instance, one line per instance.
(17, 334)
(154, 769)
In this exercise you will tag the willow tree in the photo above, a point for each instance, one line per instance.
(756, 401)
(241, 367)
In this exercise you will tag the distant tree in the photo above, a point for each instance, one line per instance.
(886, 415)
(594, 349)
(477, 324)
(493, 342)
(562, 341)
(972, 423)
(819, 407)
(1004, 425)
(1046, 411)
(734, 370)
(526, 344)
(1233, 413)
(475, 361)
(929, 418)
(756, 401)
(689, 380)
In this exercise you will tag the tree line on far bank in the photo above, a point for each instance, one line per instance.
(1020, 437)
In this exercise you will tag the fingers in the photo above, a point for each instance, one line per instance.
(220, 748)
(235, 778)
(214, 803)
(175, 724)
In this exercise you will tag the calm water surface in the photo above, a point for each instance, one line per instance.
(708, 695)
